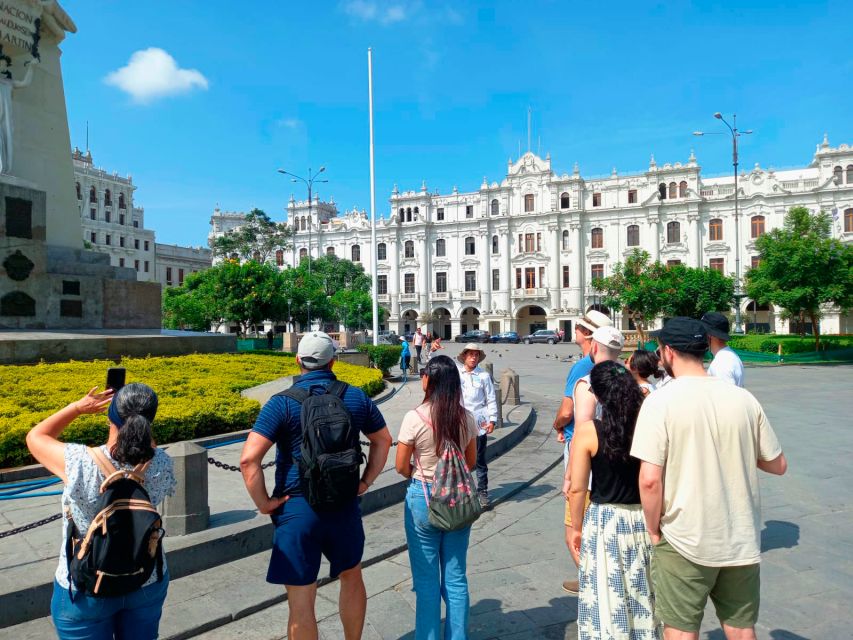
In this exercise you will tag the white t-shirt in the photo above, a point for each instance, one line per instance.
(708, 436)
(727, 365)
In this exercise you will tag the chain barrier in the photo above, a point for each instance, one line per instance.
(32, 525)
(231, 467)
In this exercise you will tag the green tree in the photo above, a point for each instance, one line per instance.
(193, 305)
(802, 268)
(257, 239)
(697, 291)
(638, 286)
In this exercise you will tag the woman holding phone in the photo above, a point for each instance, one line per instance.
(130, 446)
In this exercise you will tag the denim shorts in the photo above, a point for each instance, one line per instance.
(302, 536)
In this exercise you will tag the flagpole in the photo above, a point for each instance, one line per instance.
(373, 275)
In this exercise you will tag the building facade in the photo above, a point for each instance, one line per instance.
(520, 253)
(175, 262)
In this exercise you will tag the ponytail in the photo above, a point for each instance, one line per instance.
(132, 412)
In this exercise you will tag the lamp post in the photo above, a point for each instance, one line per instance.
(289, 314)
(735, 135)
(359, 316)
(309, 182)
(309, 312)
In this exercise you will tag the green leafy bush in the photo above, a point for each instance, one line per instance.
(769, 343)
(382, 356)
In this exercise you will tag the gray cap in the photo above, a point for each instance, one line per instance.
(316, 350)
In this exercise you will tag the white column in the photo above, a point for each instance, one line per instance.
(393, 246)
(654, 236)
(555, 283)
(576, 274)
(697, 237)
(485, 273)
(424, 262)
(693, 249)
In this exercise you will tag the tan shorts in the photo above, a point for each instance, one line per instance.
(568, 519)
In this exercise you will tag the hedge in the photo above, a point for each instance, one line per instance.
(769, 343)
(382, 356)
(199, 395)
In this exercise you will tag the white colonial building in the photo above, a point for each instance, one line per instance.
(520, 253)
(175, 262)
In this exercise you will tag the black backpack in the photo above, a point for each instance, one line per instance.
(329, 468)
(123, 545)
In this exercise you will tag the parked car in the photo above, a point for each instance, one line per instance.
(548, 336)
(477, 335)
(507, 336)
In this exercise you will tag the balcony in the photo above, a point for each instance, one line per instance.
(409, 297)
(469, 295)
(440, 295)
(383, 297)
(539, 292)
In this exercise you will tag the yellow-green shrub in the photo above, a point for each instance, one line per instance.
(199, 395)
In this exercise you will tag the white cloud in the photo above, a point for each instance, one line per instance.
(371, 11)
(152, 73)
(289, 123)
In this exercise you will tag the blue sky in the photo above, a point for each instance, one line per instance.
(261, 85)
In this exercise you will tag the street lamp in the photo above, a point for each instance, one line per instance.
(309, 311)
(735, 135)
(289, 314)
(359, 316)
(309, 182)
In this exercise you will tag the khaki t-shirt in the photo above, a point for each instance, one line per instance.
(708, 436)
(417, 434)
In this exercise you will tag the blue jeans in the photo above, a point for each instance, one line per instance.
(438, 559)
(135, 616)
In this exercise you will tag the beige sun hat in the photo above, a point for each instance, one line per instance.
(593, 319)
(471, 346)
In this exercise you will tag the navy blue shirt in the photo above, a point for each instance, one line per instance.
(279, 421)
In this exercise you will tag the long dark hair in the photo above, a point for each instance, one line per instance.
(646, 364)
(136, 405)
(444, 393)
(620, 398)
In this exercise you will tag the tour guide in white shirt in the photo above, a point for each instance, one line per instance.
(478, 395)
(726, 364)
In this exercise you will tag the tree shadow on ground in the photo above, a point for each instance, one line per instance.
(778, 534)
(518, 491)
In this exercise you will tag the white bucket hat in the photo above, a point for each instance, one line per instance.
(593, 319)
(471, 346)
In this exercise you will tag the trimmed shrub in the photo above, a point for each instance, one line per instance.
(769, 343)
(382, 356)
(199, 395)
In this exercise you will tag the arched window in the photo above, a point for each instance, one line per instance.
(330, 251)
(402, 214)
(566, 240)
(565, 200)
(93, 197)
(416, 213)
(848, 221)
(682, 189)
(409, 249)
(79, 193)
(715, 230)
(496, 207)
(304, 223)
(598, 238)
(121, 204)
(673, 232)
(108, 198)
(756, 226)
(662, 191)
(355, 251)
(838, 174)
(529, 203)
(633, 235)
(673, 191)
(381, 251)
(440, 248)
(279, 258)
(850, 174)
(470, 246)
(408, 214)
(303, 253)
(494, 244)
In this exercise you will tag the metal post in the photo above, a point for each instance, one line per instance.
(309, 224)
(738, 293)
(373, 260)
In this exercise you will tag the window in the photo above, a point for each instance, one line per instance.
(94, 237)
(496, 207)
(469, 210)
(850, 174)
(79, 193)
(682, 189)
(565, 276)
(146, 245)
(673, 232)
(757, 226)
(108, 198)
(330, 251)
(107, 216)
(539, 242)
(303, 253)
(754, 262)
(121, 241)
(441, 282)
(598, 238)
(470, 281)
(279, 258)
(136, 224)
(355, 252)
(673, 191)
(408, 214)
(662, 191)
(541, 276)
(566, 240)
(848, 221)
(382, 285)
(530, 278)
(673, 263)
(518, 278)
(439, 213)
(121, 218)
(565, 200)
(93, 197)
(168, 275)
(382, 251)
(121, 262)
(470, 247)
(715, 230)
(409, 283)
(496, 279)
(409, 249)
(529, 203)
(597, 271)
(136, 265)
(633, 235)
(520, 242)
(108, 239)
(440, 248)
(136, 243)
(402, 214)
(121, 204)
(494, 244)
(717, 264)
(146, 266)
(417, 211)
(180, 276)
(632, 196)
(529, 239)
(93, 213)
(838, 174)
(596, 199)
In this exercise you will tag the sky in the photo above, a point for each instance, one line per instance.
(201, 101)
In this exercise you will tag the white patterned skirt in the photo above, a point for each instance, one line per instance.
(616, 600)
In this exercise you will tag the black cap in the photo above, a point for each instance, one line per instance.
(686, 335)
(717, 325)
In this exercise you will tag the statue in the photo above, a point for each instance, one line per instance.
(7, 86)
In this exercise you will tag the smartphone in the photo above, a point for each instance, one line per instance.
(115, 378)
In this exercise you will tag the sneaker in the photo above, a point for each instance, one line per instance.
(571, 586)
(484, 500)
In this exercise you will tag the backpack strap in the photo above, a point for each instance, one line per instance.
(107, 468)
(296, 393)
(111, 474)
(337, 388)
